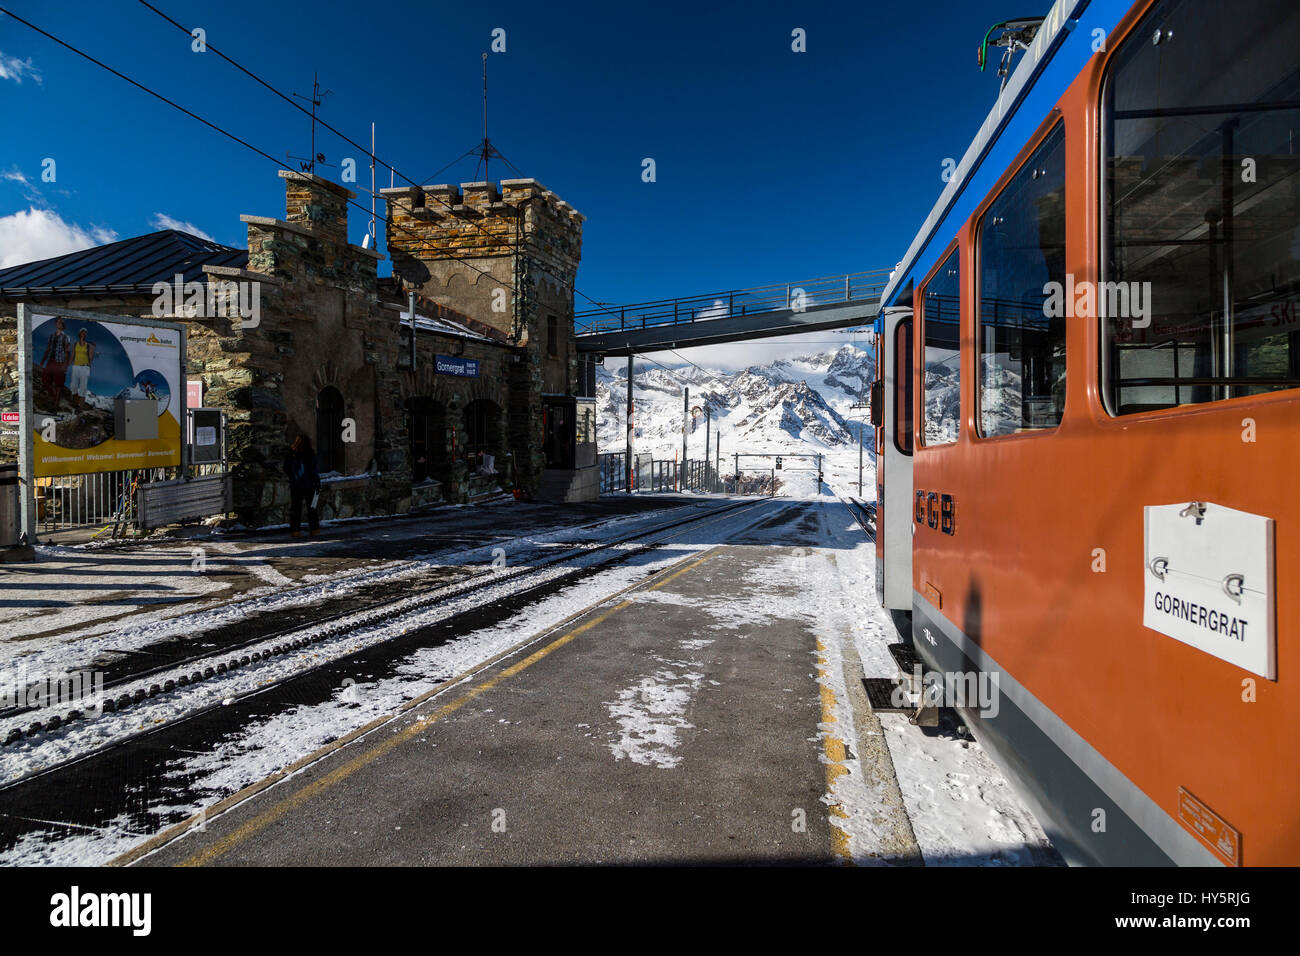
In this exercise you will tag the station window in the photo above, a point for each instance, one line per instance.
(903, 386)
(428, 433)
(1202, 205)
(482, 427)
(552, 336)
(1021, 321)
(941, 385)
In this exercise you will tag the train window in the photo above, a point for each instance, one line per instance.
(941, 385)
(903, 386)
(1021, 331)
(1202, 205)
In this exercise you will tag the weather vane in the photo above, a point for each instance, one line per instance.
(305, 164)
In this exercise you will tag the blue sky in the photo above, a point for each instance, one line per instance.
(771, 165)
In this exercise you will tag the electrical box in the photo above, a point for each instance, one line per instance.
(135, 419)
(207, 436)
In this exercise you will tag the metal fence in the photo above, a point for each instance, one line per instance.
(613, 472)
(161, 503)
(83, 501)
(657, 474)
(143, 498)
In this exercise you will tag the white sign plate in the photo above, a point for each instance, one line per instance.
(1209, 582)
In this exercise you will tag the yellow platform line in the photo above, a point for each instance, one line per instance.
(835, 753)
(420, 725)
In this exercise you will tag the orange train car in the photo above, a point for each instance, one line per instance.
(1088, 431)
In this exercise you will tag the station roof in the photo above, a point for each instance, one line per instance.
(127, 266)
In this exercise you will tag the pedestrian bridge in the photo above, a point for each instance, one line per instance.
(833, 302)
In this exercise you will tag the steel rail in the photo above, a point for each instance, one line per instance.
(299, 636)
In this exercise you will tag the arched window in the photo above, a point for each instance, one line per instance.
(329, 430)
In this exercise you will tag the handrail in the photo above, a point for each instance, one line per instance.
(850, 287)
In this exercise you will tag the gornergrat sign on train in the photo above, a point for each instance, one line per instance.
(1209, 581)
(99, 392)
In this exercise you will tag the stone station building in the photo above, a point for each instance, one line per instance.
(492, 270)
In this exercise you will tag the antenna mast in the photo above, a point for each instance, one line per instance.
(484, 149)
(374, 238)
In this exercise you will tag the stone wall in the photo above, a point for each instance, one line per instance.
(326, 319)
(506, 256)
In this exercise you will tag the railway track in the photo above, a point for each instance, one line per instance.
(864, 513)
(219, 642)
(139, 783)
(519, 585)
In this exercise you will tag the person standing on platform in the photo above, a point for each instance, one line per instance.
(304, 485)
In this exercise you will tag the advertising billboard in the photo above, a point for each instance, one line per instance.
(105, 393)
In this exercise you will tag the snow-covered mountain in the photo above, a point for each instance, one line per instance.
(790, 406)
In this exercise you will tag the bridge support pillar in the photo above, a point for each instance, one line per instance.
(630, 466)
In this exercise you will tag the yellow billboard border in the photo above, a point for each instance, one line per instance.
(26, 443)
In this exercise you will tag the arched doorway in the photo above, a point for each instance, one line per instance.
(426, 424)
(329, 431)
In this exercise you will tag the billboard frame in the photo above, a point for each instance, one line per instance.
(26, 443)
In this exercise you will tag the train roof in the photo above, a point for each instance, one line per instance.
(1056, 56)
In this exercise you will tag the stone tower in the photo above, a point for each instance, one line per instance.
(505, 254)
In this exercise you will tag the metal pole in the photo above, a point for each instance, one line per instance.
(708, 448)
(686, 415)
(861, 428)
(27, 519)
(629, 425)
(411, 311)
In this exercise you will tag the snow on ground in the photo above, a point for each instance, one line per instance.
(33, 754)
(652, 713)
(963, 810)
(960, 807)
(260, 749)
(33, 657)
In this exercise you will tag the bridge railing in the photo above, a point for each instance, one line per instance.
(797, 296)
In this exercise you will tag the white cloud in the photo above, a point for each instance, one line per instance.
(161, 220)
(12, 68)
(30, 193)
(41, 234)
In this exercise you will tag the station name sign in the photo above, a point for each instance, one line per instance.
(446, 365)
(1209, 582)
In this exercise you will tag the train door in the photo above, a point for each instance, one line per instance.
(894, 461)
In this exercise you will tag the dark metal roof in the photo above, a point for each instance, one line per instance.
(131, 265)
